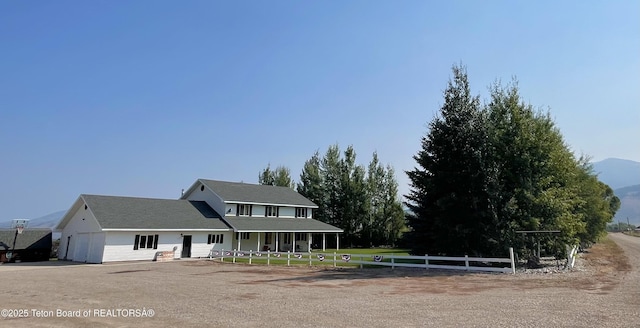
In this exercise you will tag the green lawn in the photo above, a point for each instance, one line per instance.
(357, 254)
(369, 251)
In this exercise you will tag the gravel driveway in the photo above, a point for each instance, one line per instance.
(603, 291)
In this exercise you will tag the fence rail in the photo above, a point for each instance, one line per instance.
(393, 261)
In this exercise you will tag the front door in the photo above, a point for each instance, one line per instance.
(186, 246)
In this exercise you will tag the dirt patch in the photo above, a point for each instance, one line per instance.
(607, 257)
(127, 271)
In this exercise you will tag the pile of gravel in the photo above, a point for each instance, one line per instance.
(548, 265)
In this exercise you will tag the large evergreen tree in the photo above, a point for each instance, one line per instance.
(369, 212)
(484, 173)
(373, 227)
(354, 202)
(311, 185)
(447, 198)
(392, 214)
(281, 176)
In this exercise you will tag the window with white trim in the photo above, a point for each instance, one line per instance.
(267, 237)
(301, 236)
(244, 210)
(245, 235)
(271, 211)
(301, 212)
(145, 241)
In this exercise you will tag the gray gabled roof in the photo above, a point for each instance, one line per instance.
(30, 238)
(248, 224)
(256, 194)
(114, 212)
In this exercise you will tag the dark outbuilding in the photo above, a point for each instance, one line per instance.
(30, 246)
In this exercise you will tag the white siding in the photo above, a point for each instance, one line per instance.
(199, 246)
(82, 221)
(258, 211)
(227, 242)
(287, 212)
(207, 196)
(119, 245)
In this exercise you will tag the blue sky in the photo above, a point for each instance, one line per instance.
(140, 98)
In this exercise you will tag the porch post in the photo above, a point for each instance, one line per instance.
(277, 241)
(258, 249)
(293, 242)
(324, 242)
(309, 242)
(239, 237)
(337, 242)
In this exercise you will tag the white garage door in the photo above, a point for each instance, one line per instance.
(81, 247)
(96, 248)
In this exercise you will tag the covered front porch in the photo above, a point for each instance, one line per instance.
(283, 241)
(282, 234)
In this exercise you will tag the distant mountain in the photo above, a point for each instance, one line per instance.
(629, 205)
(47, 221)
(618, 173)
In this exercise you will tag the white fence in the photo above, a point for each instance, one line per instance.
(571, 256)
(393, 261)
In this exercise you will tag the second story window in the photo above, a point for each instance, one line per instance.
(301, 212)
(271, 211)
(244, 210)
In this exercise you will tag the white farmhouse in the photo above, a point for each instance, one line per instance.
(210, 215)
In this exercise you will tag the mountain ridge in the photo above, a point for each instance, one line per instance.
(47, 221)
(617, 173)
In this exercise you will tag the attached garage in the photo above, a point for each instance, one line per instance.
(101, 229)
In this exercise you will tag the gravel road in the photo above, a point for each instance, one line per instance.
(603, 291)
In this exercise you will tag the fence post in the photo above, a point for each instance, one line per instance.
(513, 262)
(234, 255)
(334, 259)
(268, 257)
(393, 263)
(466, 262)
(250, 254)
(426, 261)
(310, 259)
(361, 259)
(288, 258)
